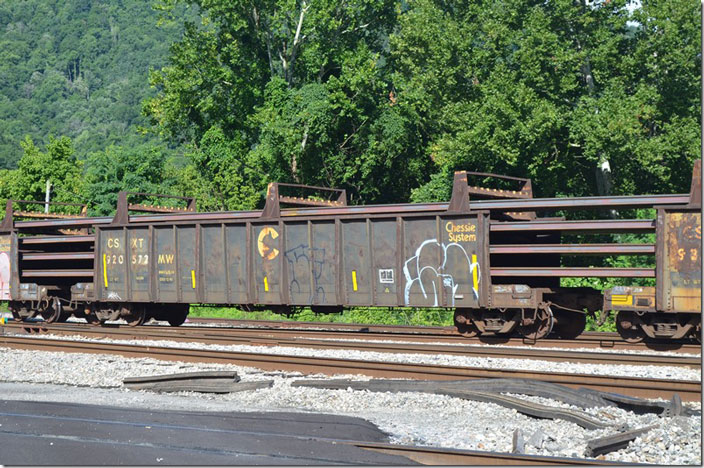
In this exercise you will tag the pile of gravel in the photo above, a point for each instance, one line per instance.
(410, 418)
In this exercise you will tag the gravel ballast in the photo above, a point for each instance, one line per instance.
(410, 418)
(656, 372)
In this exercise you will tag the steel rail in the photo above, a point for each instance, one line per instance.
(58, 256)
(444, 456)
(334, 340)
(56, 239)
(606, 340)
(55, 273)
(409, 333)
(630, 386)
(518, 205)
(573, 249)
(599, 225)
(574, 272)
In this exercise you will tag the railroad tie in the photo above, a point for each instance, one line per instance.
(535, 410)
(202, 382)
(611, 443)
(467, 390)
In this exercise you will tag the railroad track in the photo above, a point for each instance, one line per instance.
(340, 340)
(444, 456)
(602, 340)
(631, 386)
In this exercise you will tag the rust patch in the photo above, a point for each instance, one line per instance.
(683, 271)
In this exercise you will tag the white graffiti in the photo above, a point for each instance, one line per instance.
(112, 295)
(4, 277)
(423, 275)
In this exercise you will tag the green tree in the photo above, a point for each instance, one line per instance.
(144, 169)
(553, 91)
(299, 88)
(57, 165)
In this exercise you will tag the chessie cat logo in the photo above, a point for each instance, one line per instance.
(4, 276)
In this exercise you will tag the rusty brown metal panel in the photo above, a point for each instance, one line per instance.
(266, 249)
(441, 257)
(485, 285)
(187, 267)
(660, 259)
(213, 265)
(165, 265)
(681, 274)
(385, 275)
(462, 241)
(138, 260)
(339, 266)
(422, 263)
(249, 258)
(400, 238)
(236, 238)
(357, 278)
(199, 284)
(152, 262)
(284, 296)
(113, 266)
(298, 263)
(372, 275)
(225, 256)
(323, 264)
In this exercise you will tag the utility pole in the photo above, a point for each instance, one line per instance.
(47, 196)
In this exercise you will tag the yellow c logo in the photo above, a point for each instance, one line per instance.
(264, 250)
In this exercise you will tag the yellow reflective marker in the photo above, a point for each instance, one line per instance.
(105, 271)
(475, 277)
(354, 280)
(266, 285)
(622, 299)
(193, 278)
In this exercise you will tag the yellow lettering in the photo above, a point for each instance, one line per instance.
(165, 258)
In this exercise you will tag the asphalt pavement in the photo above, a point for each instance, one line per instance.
(46, 433)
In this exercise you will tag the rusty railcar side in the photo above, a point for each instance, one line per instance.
(679, 269)
(419, 261)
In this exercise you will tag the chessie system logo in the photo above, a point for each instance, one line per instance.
(465, 232)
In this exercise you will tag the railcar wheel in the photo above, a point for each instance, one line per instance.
(570, 324)
(19, 311)
(627, 327)
(53, 312)
(89, 315)
(467, 329)
(464, 323)
(178, 316)
(136, 315)
(539, 326)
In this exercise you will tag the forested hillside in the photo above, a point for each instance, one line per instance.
(77, 68)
